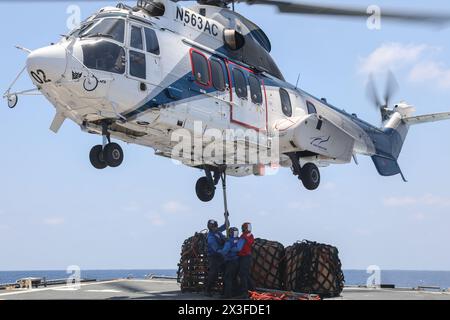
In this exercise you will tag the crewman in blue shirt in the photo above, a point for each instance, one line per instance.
(230, 254)
(216, 241)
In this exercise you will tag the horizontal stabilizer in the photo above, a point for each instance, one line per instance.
(427, 118)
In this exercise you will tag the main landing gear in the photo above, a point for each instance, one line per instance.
(206, 186)
(309, 174)
(108, 154)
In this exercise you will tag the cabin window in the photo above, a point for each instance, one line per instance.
(217, 75)
(104, 56)
(311, 108)
(108, 28)
(240, 83)
(286, 106)
(137, 64)
(136, 40)
(200, 68)
(255, 89)
(151, 41)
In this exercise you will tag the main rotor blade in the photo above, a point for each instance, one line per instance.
(352, 12)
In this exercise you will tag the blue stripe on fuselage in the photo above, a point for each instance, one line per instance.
(182, 89)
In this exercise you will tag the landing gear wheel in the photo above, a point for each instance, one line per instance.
(96, 157)
(205, 189)
(113, 154)
(310, 176)
(12, 101)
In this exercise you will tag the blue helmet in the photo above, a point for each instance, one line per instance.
(233, 232)
(212, 224)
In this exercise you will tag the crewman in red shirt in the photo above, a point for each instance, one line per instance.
(245, 258)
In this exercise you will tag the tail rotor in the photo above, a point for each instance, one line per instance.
(390, 90)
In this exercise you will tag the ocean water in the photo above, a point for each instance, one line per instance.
(12, 276)
(406, 279)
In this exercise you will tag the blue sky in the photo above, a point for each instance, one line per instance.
(56, 210)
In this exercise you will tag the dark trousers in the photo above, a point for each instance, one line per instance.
(215, 264)
(245, 263)
(230, 277)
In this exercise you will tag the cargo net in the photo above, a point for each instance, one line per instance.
(313, 268)
(267, 264)
(193, 267)
(305, 267)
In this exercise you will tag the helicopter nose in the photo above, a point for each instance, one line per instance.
(47, 64)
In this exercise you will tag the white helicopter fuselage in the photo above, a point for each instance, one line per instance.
(151, 89)
(140, 77)
(164, 76)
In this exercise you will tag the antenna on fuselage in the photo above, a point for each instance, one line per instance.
(298, 79)
(232, 5)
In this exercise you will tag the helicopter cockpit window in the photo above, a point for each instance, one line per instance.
(286, 106)
(151, 41)
(240, 83)
(200, 68)
(104, 56)
(83, 27)
(108, 28)
(311, 108)
(255, 89)
(217, 74)
(136, 40)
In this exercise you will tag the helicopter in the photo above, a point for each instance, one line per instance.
(142, 74)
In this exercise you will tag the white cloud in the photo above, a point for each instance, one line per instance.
(417, 61)
(431, 71)
(391, 56)
(399, 201)
(425, 200)
(174, 207)
(54, 221)
(156, 220)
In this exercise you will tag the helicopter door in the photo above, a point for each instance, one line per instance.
(143, 56)
(248, 107)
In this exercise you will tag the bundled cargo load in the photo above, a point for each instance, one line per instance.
(304, 268)
(193, 267)
(311, 267)
(267, 265)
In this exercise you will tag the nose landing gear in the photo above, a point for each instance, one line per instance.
(110, 154)
(96, 157)
(113, 155)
